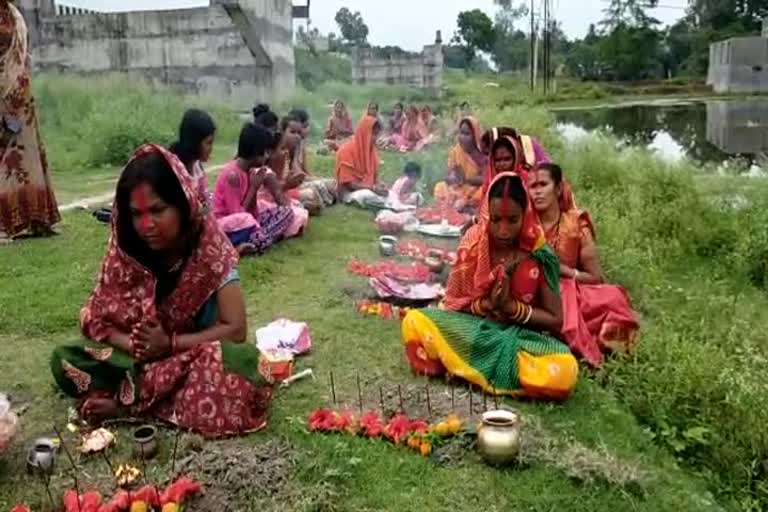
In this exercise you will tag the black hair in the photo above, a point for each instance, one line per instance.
(464, 103)
(412, 170)
(300, 115)
(399, 104)
(516, 190)
(506, 143)
(254, 141)
(196, 126)
(502, 131)
(286, 120)
(554, 170)
(263, 116)
(155, 171)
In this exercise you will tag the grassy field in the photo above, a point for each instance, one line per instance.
(687, 411)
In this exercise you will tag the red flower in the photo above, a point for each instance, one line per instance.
(88, 502)
(398, 428)
(418, 426)
(119, 502)
(20, 508)
(179, 491)
(147, 494)
(371, 425)
(321, 420)
(344, 420)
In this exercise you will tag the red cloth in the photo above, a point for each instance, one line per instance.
(413, 272)
(597, 319)
(436, 214)
(473, 275)
(125, 293)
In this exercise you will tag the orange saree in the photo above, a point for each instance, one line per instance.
(459, 159)
(357, 161)
(597, 318)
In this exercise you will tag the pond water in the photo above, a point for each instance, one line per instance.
(716, 131)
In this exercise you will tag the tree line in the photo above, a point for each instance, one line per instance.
(627, 44)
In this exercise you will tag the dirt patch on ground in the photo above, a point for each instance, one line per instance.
(238, 474)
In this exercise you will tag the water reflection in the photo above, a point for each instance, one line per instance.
(714, 131)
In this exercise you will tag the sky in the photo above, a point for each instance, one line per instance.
(409, 24)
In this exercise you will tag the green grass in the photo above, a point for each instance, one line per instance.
(689, 407)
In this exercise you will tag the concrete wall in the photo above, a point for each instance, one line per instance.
(239, 51)
(739, 65)
(424, 70)
(738, 127)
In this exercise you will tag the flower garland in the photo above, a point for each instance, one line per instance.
(145, 499)
(417, 434)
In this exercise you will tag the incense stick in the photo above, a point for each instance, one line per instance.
(175, 446)
(72, 462)
(400, 394)
(333, 390)
(359, 394)
(453, 396)
(429, 403)
(381, 399)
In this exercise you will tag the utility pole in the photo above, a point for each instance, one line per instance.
(533, 52)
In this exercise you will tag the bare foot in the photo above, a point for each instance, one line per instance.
(96, 410)
(246, 249)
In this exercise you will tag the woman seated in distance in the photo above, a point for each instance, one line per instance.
(166, 324)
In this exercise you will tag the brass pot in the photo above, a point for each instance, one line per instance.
(498, 437)
(145, 442)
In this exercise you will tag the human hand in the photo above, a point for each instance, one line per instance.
(257, 177)
(150, 341)
(380, 189)
(295, 179)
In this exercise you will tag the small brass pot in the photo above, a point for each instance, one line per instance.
(145, 442)
(498, 437)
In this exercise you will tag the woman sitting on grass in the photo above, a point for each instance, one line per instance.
(501, 296)
(166, 323)
(509, 155)
(462, 188)
(289, 161)
(194, 147)
(597, 317)
(414, 135)
(236, 196)
(357, 167)
(339, 126)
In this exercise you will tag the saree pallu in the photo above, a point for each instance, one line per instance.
(213, 389)
(501, 359)
(597, 318)
(27, 202)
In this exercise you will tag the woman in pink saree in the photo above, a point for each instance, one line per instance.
(414, 135)
(235, 199)
(597, 317)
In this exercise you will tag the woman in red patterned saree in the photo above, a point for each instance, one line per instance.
(27, 203)
(166, 323)
(597, 317)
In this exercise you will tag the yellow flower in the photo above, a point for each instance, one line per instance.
(425, 449)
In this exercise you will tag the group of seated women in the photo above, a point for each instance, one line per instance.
(406, 131)
(526, 294)
(166, 323)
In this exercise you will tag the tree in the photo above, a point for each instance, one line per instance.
(353, 28)
(476, 32)
(632, 52)
(629, 12)
(511, 47)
